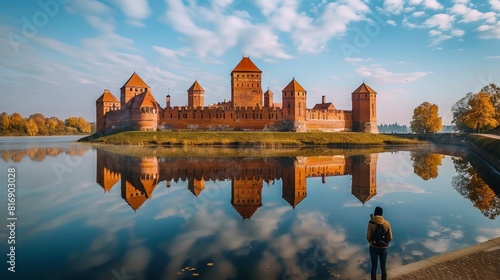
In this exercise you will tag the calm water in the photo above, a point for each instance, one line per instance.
(146, 213)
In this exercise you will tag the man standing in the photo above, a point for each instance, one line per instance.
(378, 234)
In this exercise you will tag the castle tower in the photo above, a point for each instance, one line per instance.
(105, 103)
(246, 84)
(246, 196)
(294, 188)
(134, 86)
(268, 98)
(196, 95)
(364, 109)
(364, 177)
(294, 104)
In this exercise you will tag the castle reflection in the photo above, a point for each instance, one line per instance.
(139, 176)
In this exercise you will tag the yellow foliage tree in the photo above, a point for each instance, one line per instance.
(426, 119)
(31, 127)
(482, 114)
(425, 165)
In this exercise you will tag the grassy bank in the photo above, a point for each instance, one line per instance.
(186, 138)
(487, 144)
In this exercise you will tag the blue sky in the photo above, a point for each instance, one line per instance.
(59, 55)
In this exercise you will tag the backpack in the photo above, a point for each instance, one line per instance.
(380, 237)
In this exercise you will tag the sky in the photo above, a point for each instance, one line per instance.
(57, 56)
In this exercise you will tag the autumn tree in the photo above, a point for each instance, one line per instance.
(4, 122)
(79, 123)
(31, 127)
(17, 122)
(425, 164)
(482, 114)
(39, 120)
(426, 119)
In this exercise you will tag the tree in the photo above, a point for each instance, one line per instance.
(79, 123)
(31, 127)
(17, 122)
(459, 110)
(482, 114)
(4, 122)
(425, 164)
(426, 119)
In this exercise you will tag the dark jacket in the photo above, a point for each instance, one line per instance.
(375, 221)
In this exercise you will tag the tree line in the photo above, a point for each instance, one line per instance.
(38, 124)
(475, 112)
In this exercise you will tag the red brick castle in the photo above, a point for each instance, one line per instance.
(248, 109)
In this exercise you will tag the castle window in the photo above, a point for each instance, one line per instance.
(366, 95)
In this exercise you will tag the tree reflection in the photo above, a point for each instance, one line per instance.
(468, 183)
(425, 164)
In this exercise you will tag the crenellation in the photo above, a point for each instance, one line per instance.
(138, 109)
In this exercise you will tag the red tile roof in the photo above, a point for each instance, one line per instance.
(107, 96)
(135, 81)
(293, 86)
(195, 86)
(324, 106)
(364, 88)
(246, 65)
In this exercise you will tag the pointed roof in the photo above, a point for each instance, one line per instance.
(364, 88)
(196, 86)
(145, 99)
(246, 65)
(107, 96)
(135, 81)
(293, 86)
(324, 106)
(268, 91)
(246, 211)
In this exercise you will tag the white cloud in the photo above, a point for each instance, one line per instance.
(211, 31)
(458, 32)
(471, 15)
(356, 60)
(394, 6)
(169, 53)
(489, 31)
(442, 21)
(495, 4)
(418, 14)
(429, 4)
(435, 33)
(391, 22)
(137, 9)
(382, 75)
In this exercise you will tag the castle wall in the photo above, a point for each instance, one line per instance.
(220, 119)
(329, 120)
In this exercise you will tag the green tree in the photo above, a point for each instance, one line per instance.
(426, 119)
(482, 114)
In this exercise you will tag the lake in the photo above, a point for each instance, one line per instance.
(119, 212)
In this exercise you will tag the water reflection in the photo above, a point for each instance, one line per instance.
(139, 176)
(296, 215)
(469, 184)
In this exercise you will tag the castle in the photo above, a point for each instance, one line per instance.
(139, 177)
(248, 109)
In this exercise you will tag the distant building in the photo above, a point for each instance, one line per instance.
(248, 109)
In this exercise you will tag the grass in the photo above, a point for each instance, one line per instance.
(260, 139)
(487, 144)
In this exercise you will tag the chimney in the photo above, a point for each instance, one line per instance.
(323, 99)
(168, 101)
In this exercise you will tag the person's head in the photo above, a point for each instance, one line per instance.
(378, 211)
